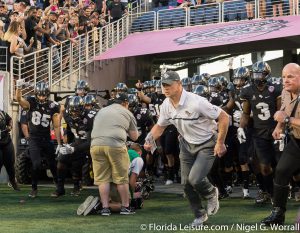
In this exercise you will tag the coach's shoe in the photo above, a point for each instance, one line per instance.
(85, 205)
(33, 193)
(127, 210)
(14, 185)
(276, 217)
(199, 221)
(213, 203)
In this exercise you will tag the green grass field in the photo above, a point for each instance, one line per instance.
(168, 211)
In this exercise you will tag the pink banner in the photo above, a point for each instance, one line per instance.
(204, 36)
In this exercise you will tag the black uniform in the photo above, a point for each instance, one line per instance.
(263, 107)
(144, 121)
(39, 119)
(154, 106)
(81, 128)
(7, 154)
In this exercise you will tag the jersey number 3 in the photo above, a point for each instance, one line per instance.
(265, 112)
(39, 119)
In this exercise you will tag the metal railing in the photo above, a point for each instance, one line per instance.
(56, 63)
(59, 62)
(3, 58)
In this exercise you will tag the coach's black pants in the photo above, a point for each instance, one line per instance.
(288, 164)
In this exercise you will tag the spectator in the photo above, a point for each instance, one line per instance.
(262, 8)
(100, 6)
(109, 152)
(12, 37)
(293, 6)
(277, 4)
(84, 21)
(22, 8)
(249, 9)
(31, 26)
(116, 10)
(73, 26)
(3, 13)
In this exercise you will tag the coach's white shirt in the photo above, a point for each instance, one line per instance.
(194, 117)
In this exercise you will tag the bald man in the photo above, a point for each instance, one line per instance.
(288, 119)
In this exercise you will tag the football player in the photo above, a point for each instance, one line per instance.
(41, 113)
(241, 77)
(263, 100)
(73, 155)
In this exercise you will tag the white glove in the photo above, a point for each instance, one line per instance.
(66, 150)
(57, 149)
(241, 135)
(20, 83)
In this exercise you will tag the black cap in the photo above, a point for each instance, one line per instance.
(121, 98)
(169, 77)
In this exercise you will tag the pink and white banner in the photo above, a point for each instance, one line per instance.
(204, 36)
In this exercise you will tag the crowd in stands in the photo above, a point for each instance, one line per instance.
(28, 26)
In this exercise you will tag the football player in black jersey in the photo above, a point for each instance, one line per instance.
(263, 100)
(41, 113)
(7, 154)
(81, 89)
(143, 117)
(73, 155)
(240, 77)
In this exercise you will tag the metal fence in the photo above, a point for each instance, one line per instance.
(3, 58)
(59, 62)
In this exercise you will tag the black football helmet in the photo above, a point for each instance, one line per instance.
(133, 101)
(89, 101)
(132, 91)
(260, 73)
(76, 107)
(42, 92)
(201, 90)
(214, 85)
(224, 82)
(146, 86)
(206, 76)
(82, 88)
(121, 88)
(186, 83)
(241, 76)
(198, 80)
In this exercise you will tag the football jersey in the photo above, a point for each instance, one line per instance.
(82, 127)
(156, 101)
(40, 117)
(263, 107)
(144, 121)
(237, 109)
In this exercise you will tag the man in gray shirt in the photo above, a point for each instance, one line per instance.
(109, 151)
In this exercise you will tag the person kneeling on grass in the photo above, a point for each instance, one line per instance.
(92, 205)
